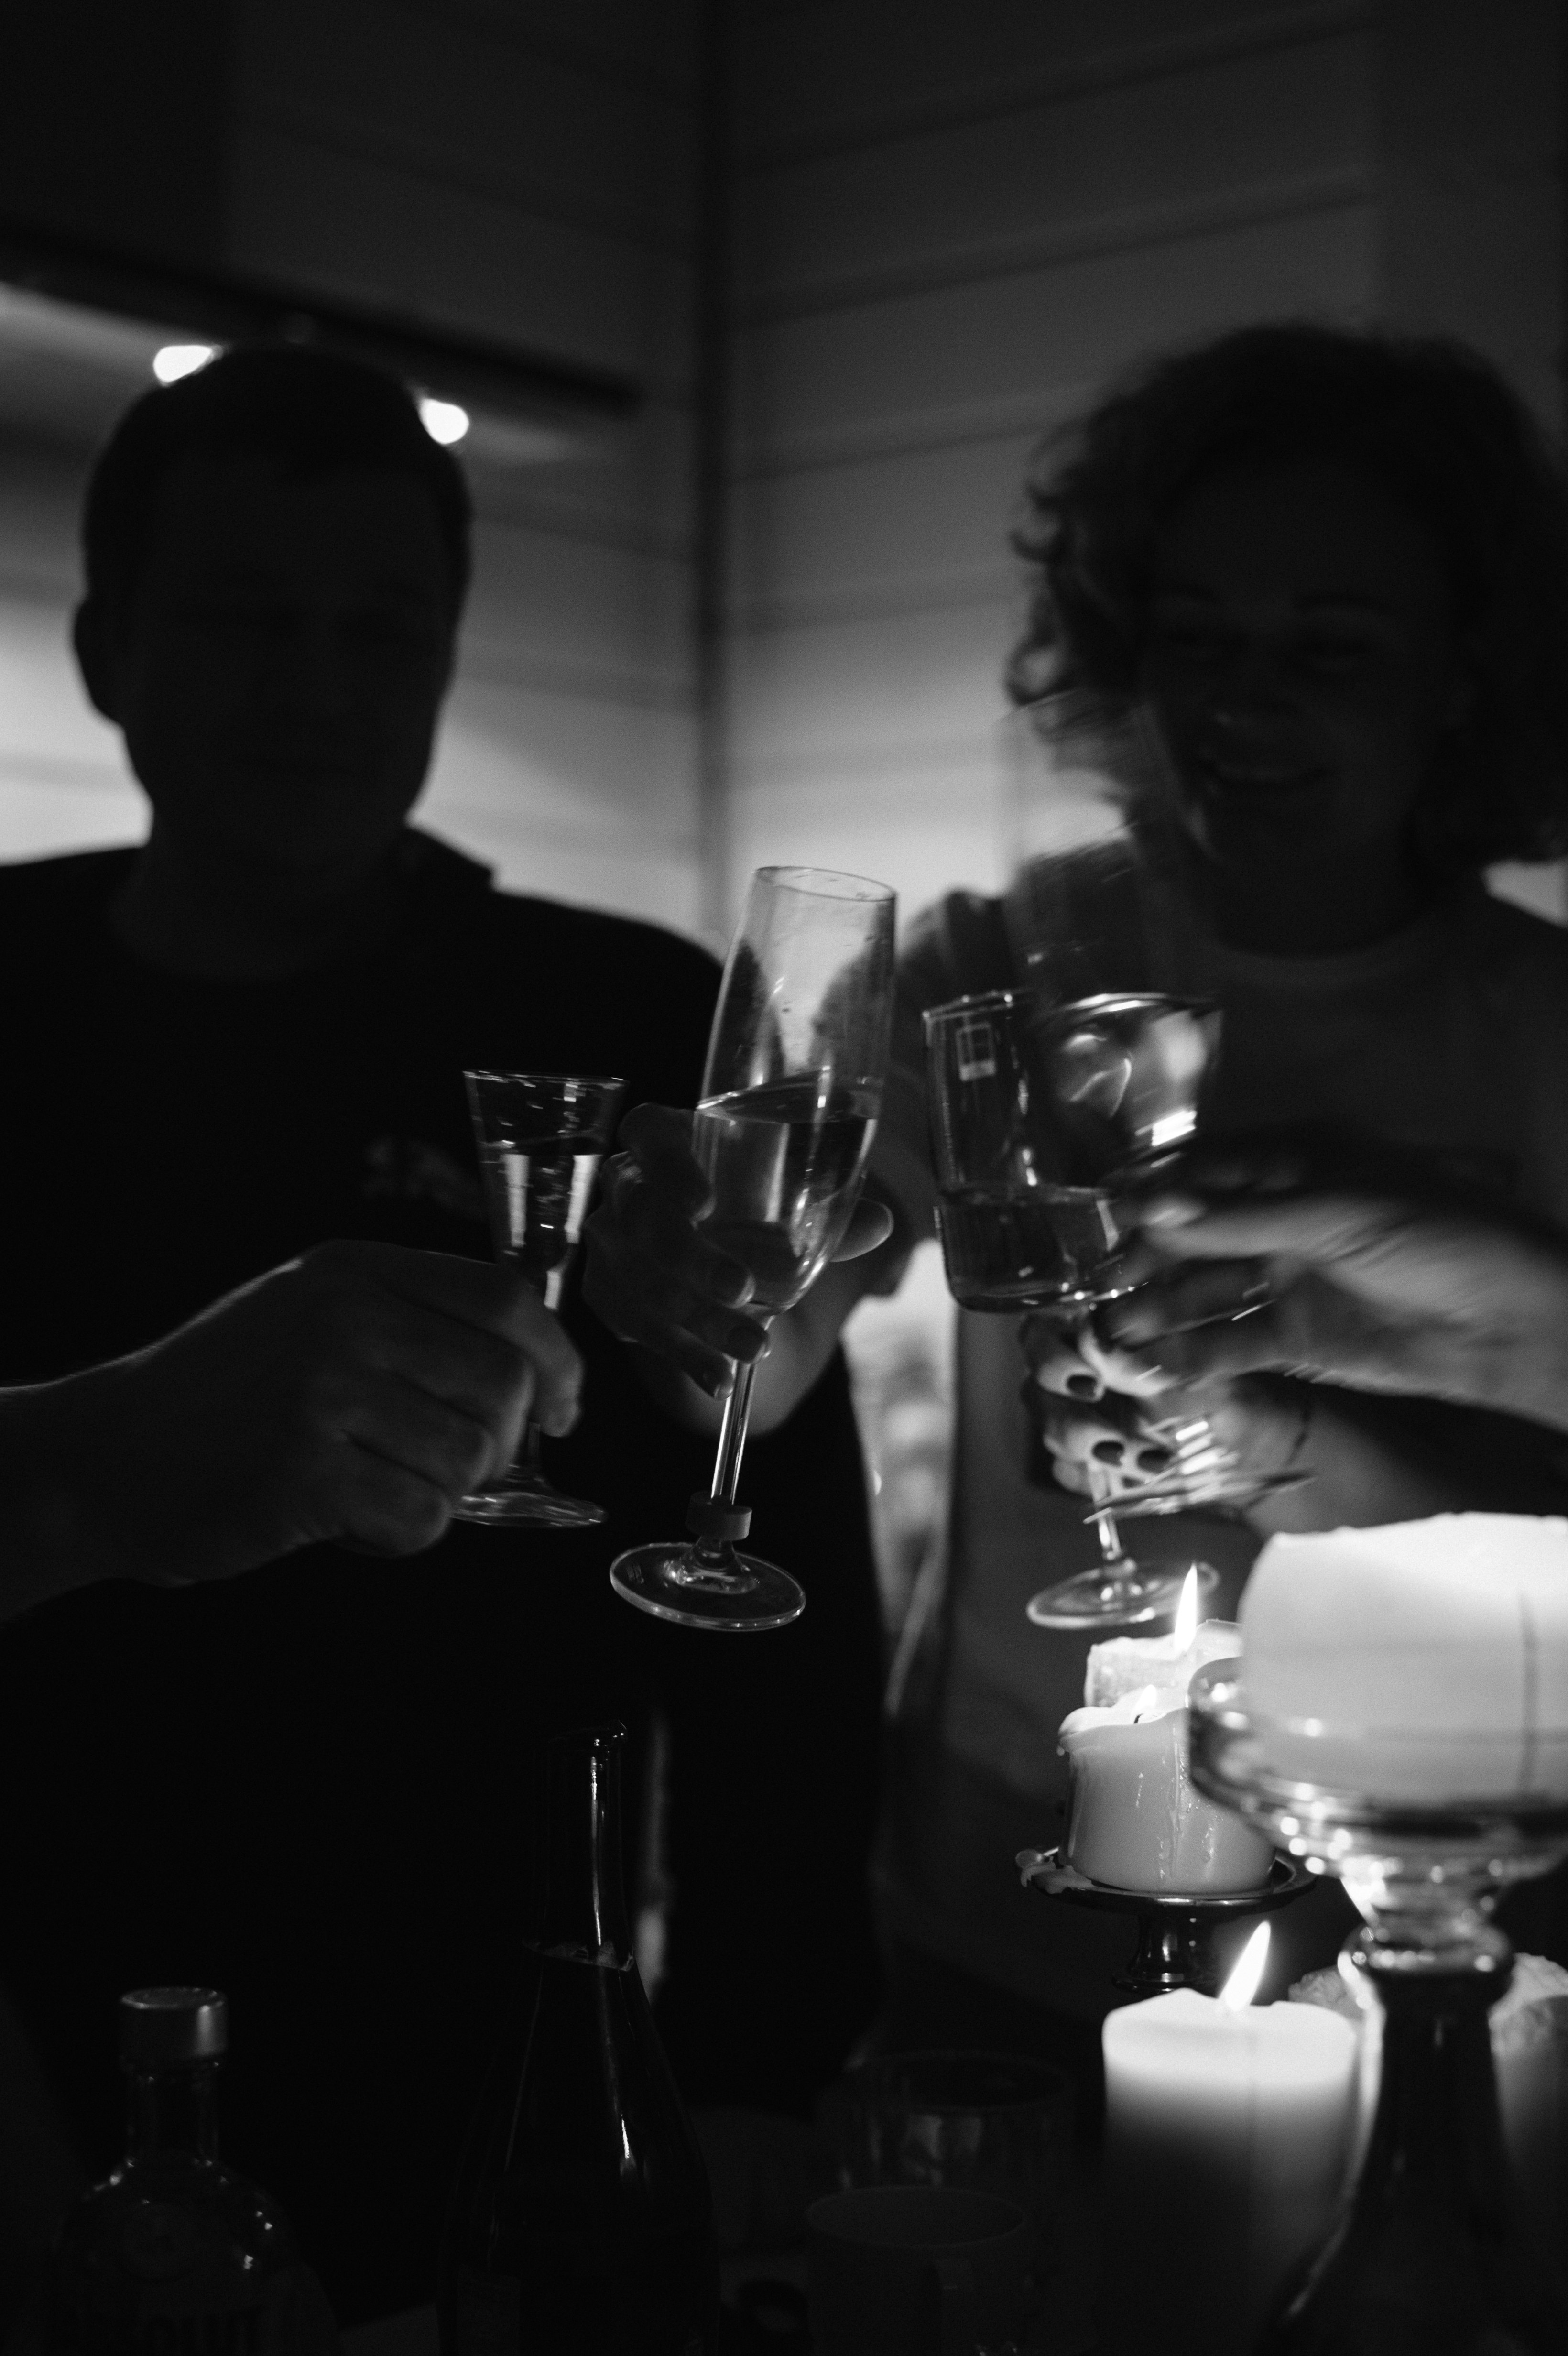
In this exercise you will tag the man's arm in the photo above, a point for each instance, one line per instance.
(354, 1395)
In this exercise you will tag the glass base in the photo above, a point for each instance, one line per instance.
(524, 1503)
(1124, 1595)
(738, 1594)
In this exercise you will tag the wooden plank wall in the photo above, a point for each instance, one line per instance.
(521, 169)
(953, 224)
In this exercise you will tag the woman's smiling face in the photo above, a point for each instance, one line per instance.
(1302, 657)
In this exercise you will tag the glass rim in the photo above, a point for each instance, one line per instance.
(546, 1079)
(864, 2073)
(827, 883)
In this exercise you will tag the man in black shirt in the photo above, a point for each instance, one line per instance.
(310, 1786)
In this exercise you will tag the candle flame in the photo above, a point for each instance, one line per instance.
(1185, 1626)
(1243, 1985)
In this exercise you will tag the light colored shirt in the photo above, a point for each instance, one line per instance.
(1450, 1037)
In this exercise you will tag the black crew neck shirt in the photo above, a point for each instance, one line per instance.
(313, 1785)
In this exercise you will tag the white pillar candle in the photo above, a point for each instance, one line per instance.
(1227, 2139)
(1137, 1821)
(1125, 1663)
(1425, 1661)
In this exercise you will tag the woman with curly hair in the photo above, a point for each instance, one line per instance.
(1332, 569)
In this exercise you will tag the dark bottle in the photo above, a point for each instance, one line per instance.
(1432, 2255)
(175, 2254)
(580, 2218)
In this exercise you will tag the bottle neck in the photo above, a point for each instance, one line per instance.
(583, 1915)
(173, 2109)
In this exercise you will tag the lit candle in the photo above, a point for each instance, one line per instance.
(1125, 1663)
(1227, 2139)
(1426, 1661)
(1137, 1823)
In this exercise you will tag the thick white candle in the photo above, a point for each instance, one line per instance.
(1425, 1661)
(1127, 1663)
(1137, 1822)
(1226, 2149)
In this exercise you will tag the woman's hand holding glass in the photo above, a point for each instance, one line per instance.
(1117, 1424)
(1283, 1258)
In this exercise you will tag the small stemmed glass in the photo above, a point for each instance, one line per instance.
(541, 1137)
(791, 1091)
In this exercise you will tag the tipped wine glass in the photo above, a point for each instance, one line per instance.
(790, 1092)
(1033, 1112)
(541, 1137)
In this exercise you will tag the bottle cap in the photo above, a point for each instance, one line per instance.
(159, 2026)
(710, 1517)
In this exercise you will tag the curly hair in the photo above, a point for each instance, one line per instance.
(1431, 422)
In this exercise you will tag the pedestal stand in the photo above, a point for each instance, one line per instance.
(1433, 2252)
(1175, 1931)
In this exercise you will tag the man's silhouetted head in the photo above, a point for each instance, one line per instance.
(276, 559)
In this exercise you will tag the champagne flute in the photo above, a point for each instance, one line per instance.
(541, 1137)
(1035, 1113)
(791, 1091)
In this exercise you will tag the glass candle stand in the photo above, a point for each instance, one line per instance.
(1431, 2252)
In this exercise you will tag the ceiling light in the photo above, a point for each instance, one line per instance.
(443, 420)
(174, 360)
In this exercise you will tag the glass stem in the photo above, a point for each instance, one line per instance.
(733, 1435)
(526, 1465)
(1104, 1520)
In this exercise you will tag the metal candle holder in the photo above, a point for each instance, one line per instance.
(1175, 1928)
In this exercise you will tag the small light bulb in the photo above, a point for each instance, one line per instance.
(443, 420)
(175, 360)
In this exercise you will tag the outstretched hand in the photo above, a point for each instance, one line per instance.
(1267, 1260)
(354, 1395)
(654, 1277)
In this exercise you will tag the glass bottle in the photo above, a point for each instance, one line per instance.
(580, 2219)
(175, 2254)
(1432, 2253)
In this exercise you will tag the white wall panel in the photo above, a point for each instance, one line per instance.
(902, 529)
(547, 127)
(832, 73)
(1118, 164)
(930, 359)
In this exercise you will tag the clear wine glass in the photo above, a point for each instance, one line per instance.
(1103, 911)
(541, 1136)
(790, 1092)
(1035, 1112)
